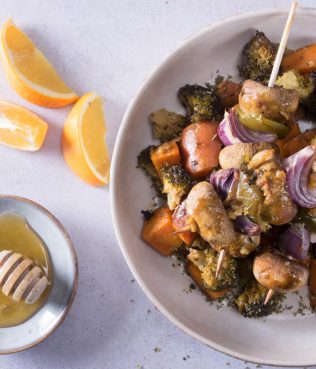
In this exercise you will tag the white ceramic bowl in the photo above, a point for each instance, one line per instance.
(278, 340)
(65, 276)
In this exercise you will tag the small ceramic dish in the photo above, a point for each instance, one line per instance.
(278, 339)
(65, 276)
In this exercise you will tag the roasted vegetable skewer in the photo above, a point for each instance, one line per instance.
(279, 273)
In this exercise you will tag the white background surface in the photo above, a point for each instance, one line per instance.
(109, 47)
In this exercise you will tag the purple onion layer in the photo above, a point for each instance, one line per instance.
(231, 131)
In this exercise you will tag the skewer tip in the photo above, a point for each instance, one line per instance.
(220, 260)
(269, 296)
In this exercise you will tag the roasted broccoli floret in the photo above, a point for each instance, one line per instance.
(309, 104)
(144, 162)
(206, 261)
(176, 183)
(250, 303)
(201, 103)
(304, 85)
(257, 58)
(167, 125)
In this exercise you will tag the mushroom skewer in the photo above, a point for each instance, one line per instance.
(207, 215)
(269, 102)
(213, 226)
(266, 94)
(274, 73)
(279, 273)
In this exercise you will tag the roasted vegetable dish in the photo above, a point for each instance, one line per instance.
(236, 178)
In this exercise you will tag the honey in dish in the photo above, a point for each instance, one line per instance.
(18, 236)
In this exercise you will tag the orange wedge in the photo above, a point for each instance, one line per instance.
(29, 72)
(20, 128)
(83, 140)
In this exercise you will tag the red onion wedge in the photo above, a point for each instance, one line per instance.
(224, 181)
(298, 168)
(295, 241)
(244, 225)
(231, 131)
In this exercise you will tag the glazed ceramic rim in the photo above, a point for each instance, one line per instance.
(117, 152)
(70, 245)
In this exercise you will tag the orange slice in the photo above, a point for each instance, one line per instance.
(20, 128)
(83, 140)
(29, 72)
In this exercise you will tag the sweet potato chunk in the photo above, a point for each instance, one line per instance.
(200, 147)
(158, 232)
(166, 154)
(195, 274)
(299, 142)
(303, 60)
(294, 131)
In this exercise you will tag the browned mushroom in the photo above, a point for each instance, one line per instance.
(279, 273)
(233, 156)
(272, 102)
(207, 213)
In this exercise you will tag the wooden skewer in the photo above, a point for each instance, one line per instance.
(269, 296)
(220, 260)
(283, 42)
(274, 73)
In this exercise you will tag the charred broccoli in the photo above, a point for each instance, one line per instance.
(201, 103)
(304, 85)
(250, 303)
(206, 261)
(144, 162)
(257, 58)
(176, 183)
(167, 125)
(309, 104)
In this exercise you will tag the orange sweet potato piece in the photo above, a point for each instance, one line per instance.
(312, 283)
(228, 92)
(293, 132)
(188, 237)
(195, 274)
(158, 232)
(302, 60)
(200, 147)
(166, 154)
(180, 220)
(299, 142)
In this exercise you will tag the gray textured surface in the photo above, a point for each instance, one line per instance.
(110, 47)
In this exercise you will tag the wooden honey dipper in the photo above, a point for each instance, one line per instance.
(21, 278)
